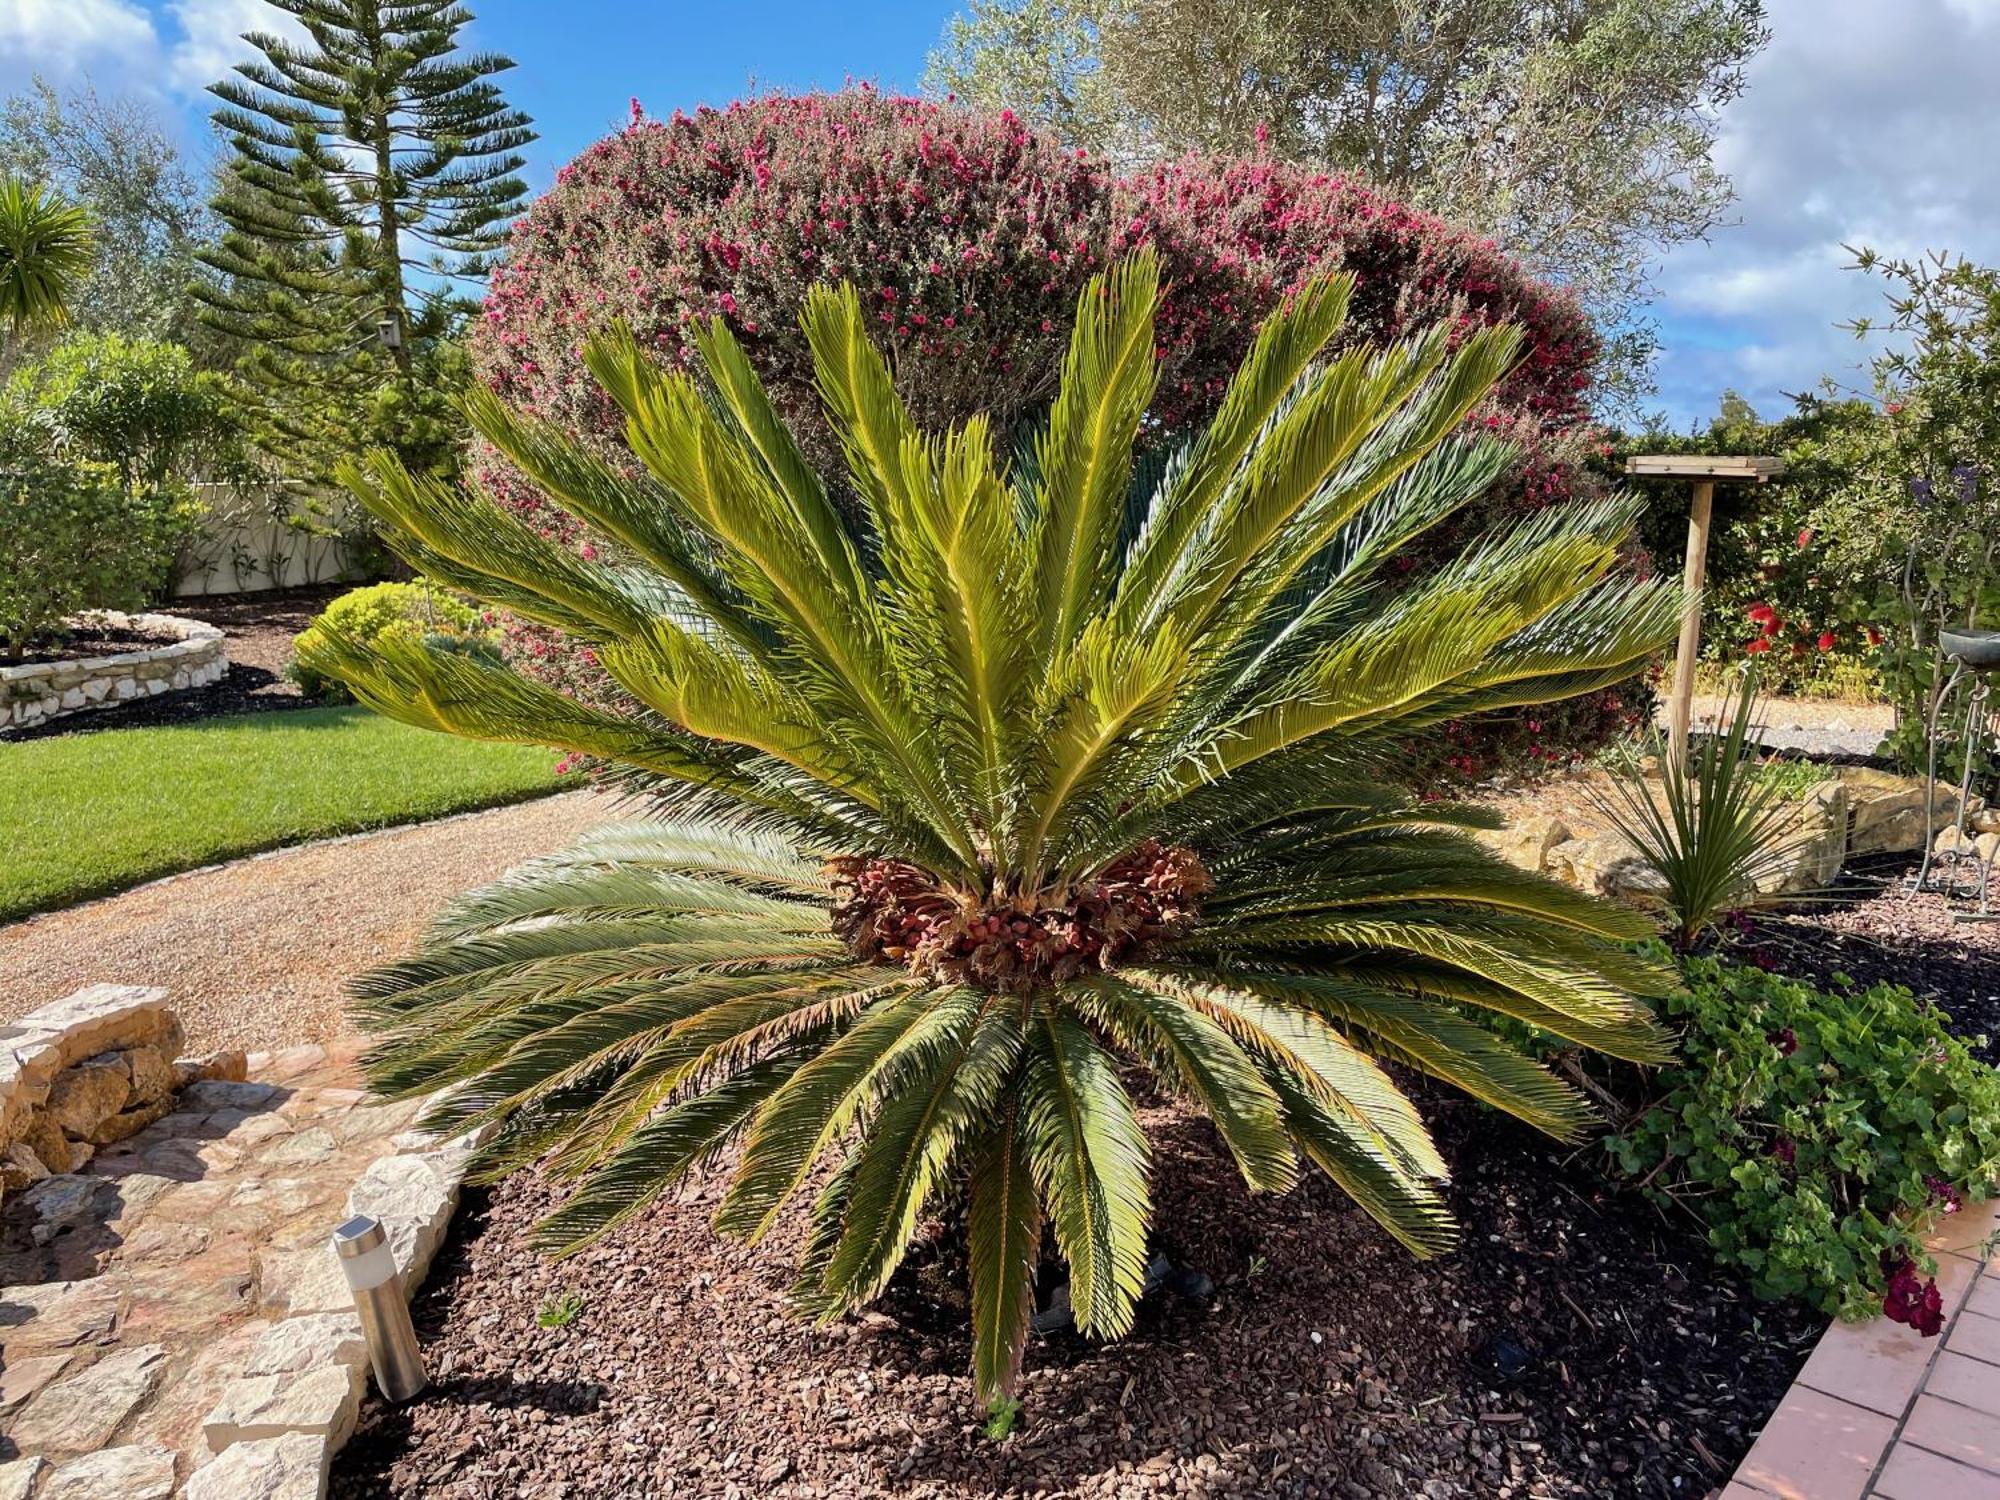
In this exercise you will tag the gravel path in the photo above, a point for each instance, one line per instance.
(1807, 724)
(255, 952)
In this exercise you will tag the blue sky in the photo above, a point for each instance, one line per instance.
(1866, 121)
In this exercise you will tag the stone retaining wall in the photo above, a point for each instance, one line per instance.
(1857, 811)
(49, 689)
(87, 1072)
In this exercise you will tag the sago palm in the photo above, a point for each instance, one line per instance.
(45, 249)
(1034, 773)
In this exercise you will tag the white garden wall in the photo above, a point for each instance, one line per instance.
(257, 538)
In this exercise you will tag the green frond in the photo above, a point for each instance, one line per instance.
(1085, 455)
(940, 1103)
(1003, 1243)
(816, 1107)
(656, 1157)
(1186, 1046)
(1090, 1162)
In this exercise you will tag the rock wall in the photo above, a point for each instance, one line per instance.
(49, 689)
(87, 1072)
(1857, 811)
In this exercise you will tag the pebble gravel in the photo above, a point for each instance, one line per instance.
(254, 953)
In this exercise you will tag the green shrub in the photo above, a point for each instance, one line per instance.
(73, 536)
(138, 405)
(383, 613)
(1818, 1133)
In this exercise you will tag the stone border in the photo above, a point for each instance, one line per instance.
(1879, 1411)
(88, 1071)
(46, 690)
(275, 1428)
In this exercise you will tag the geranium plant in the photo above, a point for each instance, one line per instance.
(1032, 772)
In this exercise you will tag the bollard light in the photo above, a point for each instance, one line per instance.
(377, 1285)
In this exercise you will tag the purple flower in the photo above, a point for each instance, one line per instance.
(1966, 477)
(1784, 1039)
(1922, 491)
(1943, 1192)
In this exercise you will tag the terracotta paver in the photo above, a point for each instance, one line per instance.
(1817, 1447)
(1913, 1474)
(1976, 1336)
(1940, 1426)
(1881, 1412)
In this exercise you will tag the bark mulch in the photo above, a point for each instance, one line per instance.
(1575, 1346)
(94, 640)
(258, 631)
(1874, 929)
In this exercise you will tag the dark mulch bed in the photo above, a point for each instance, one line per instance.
(1874, 929)
(258, 631)
(95, 640)
(1577, 1345)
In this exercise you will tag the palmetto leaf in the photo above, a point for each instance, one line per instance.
(981, 778)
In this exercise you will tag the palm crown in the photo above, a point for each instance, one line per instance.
(978, 783)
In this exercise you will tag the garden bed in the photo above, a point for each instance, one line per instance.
(257, 631)
(116, 658)
(1576, 1345)
(1871, 927)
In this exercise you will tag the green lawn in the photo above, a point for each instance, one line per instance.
(87, 814)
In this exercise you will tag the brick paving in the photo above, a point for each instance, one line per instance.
(1879, 1413)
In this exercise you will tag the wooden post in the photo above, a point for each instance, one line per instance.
(1680, 708)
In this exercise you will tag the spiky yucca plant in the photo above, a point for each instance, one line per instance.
(1036, 772)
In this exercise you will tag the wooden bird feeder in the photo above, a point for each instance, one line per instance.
(1706, 472)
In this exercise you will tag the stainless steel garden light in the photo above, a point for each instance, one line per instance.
(377, 1285)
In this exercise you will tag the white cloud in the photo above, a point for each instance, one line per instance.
(211, 37)
(60, 39)
(1865, 123)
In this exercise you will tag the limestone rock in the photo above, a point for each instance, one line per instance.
(303, 1281)
(292, 1467)
(1526, 842)
(1608, 865)
(322, 1403)
(1889, 811)
(17, 1479)
(140, 1471)
(1815, 847)
(20, 1166)
(211, 1095)
(82, 1096)
(80, 1413)
(23, 1377)
(128, 1122)
(227, 1066)
(57, 1315)
(414, 1197)
(45, 1138)
(104, 1015)
(65, 1202)
(316, 1341)
(152, 1074)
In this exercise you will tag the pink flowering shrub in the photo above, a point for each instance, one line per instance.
(971, 236)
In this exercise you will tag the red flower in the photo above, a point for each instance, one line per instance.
(1907, 1300)
(1773, 625)
(1753, 647)
(1825, 641)
(1874, 636)
(1805, 538)
(1784, 1039)
(1762, 613)
(1785, 1149)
